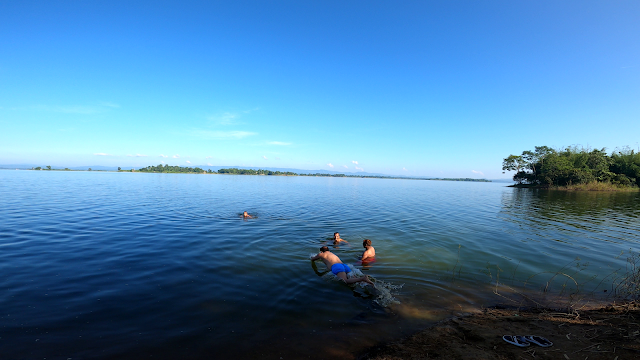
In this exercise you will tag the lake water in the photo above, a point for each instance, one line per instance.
(130, 265)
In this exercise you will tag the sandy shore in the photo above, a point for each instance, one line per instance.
(611, 332)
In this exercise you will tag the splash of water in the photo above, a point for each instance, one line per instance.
(385, 291)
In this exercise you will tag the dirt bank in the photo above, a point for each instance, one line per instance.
(608, 333)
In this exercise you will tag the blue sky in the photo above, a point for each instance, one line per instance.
(420, 88)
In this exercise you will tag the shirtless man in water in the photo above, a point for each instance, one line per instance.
(337, 239)
(370, 253)
(337, 267)
(246, 215)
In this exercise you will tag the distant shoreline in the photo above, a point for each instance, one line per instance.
(234, 171)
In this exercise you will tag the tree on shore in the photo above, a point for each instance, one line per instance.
(573, 165)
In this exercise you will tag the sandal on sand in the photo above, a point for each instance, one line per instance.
(538, 340)
(516, 340)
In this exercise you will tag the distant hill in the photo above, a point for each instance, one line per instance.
(57, 167)
(205, 167)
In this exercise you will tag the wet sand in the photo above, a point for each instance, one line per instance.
(611, 332)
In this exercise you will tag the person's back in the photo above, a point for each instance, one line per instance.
(336, 266)
(329, 258)
(370, 252)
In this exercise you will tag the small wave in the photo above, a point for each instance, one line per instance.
(385, 292)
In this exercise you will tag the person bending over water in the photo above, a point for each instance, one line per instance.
(370, 253)
(247, 216)
(337, 239)
(337, 267)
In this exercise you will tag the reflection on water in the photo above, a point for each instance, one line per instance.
(103, 265)
(579, 238)
(601, 216)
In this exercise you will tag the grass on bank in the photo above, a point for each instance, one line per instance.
(590, 186)
(597, 186)
(565, 288)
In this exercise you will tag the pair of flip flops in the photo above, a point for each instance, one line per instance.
(526, 340)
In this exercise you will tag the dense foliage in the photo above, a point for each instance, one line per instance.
(172, 169)
(573, 165)
(235, 171)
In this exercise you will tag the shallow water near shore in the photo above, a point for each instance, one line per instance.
(130, 265)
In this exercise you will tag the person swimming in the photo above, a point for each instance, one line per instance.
(338, 268)
(370, 253)
(337, 239)
(247, 216)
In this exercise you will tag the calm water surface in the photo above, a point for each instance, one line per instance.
(129, 265)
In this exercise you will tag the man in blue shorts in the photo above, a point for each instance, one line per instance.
(338, 269)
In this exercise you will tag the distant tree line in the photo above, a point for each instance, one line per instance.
(172, 169)
(48, 167)
(236, 171)
(573, 165)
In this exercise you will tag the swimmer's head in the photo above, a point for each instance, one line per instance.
(336, 235)
(324, 248)
(366, 242)
(245, 214)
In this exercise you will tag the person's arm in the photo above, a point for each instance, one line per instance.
(317, 257)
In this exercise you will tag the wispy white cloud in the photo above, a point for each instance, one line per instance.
(214, 134)
(359, 168)
(79, 109)
(102, 154)
(280, 143)
(188, 162)
(129, 155)
(250, 110)
(162, 162)
(330, 165)
(141, 155)
(209, 164)
(163, 156)
(405, 169)
(345, 166)
(176, 156)
(109, 104)
(477, 172)
(264, 157)
(354, 162)
(226, 118)
(209, 157)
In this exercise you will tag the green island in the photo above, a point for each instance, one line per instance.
(234, 171)
(575, 168)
